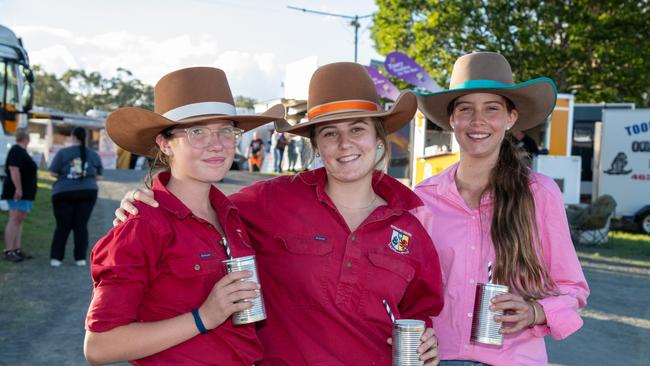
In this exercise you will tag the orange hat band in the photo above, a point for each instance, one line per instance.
(342, 106)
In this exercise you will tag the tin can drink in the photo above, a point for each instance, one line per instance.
(257, 311)
(484, 329)
(406, 340)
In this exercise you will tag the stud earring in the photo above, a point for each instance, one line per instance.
(318, 155)
(380, 146)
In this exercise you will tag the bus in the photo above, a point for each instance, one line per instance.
(16, 89)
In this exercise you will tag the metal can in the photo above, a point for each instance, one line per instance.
(406, 340)
(484, 329)
(257, 312)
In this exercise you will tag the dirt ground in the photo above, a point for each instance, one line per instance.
(43, 308)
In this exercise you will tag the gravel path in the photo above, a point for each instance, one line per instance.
(42, 317)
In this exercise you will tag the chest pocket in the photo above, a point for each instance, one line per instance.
(305, 270)
(388, 278)
(191, 267)
(306, 245)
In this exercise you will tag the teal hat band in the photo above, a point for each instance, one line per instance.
(481, 84)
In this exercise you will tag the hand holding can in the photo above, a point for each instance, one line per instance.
(256, 311)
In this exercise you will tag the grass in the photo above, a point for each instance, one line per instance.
(38, 226)
(631, 248)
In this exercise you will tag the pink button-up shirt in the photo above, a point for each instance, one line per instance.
(462, 238)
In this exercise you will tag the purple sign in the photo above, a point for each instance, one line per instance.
(403, 67)
(384, 87)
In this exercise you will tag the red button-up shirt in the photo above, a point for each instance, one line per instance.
(163, 263)
(324, 284)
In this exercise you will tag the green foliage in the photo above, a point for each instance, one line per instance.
(598, 50)
(77, 91)
(245, 102)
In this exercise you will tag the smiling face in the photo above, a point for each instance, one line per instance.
(348, 149)
(206, 164)
(480, 121)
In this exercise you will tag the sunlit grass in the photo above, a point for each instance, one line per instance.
(631, 248)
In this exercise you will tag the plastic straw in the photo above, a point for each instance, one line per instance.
(224, 242)
(390, 313)
(489, 272)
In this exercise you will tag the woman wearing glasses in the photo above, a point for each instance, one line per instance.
(160, 296)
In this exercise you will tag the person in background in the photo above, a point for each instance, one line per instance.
(292, 153)
(77, 169)
(278, 151)
(19, 189)
(490, 208)
(255, 153)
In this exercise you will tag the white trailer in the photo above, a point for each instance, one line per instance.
(623, 166)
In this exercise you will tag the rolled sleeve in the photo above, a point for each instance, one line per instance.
(122, 266)
(562, 311)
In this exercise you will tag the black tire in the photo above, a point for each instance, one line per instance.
(644, 223)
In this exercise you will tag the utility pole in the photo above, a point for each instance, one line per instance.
(354, 21)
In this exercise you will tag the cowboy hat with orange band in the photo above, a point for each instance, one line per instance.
(343, 91)
(182, 97)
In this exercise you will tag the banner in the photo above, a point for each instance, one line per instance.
(384, 87)
(403, 67)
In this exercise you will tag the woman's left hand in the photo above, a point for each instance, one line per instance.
(517, 312)
(428, 349)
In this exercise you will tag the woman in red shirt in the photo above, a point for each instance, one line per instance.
(160, 294)
(334, 242)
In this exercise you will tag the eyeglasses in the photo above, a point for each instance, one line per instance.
(200, 137)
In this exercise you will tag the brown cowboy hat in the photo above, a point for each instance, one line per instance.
(344, 90)
(489, 72)
(191, 95)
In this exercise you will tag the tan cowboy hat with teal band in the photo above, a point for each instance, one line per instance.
(191, 95)
(343, 90)
(489, 72)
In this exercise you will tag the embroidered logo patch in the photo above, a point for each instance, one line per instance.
(399, 241)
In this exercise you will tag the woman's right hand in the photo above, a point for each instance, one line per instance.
(225, 298)
(143, 195)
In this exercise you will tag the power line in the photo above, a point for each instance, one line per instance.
(354, 21)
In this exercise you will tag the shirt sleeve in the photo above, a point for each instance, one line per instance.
(423, 297)
(98, 165)
(56, 164)
(562, 311)
(14, 159)
(123, 264)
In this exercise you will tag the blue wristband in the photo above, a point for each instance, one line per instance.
(198, 321)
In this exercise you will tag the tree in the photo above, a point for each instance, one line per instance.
(77, 91)
(50, 92)
(245, 102)
(598, 50)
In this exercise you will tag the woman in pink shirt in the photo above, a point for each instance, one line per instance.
(490, 208)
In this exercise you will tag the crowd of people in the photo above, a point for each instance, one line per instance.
(335, 246)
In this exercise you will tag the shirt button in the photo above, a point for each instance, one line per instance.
(348, 264)
(466, 346)
(469, 315)
(354, 237)
(471, 280)
(473, 217)
(197, 267)
(473, 247)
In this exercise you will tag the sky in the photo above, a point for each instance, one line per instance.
(251, 40)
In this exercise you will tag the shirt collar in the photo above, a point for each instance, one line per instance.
(444, 184)
(171, 203)
(397, 195)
